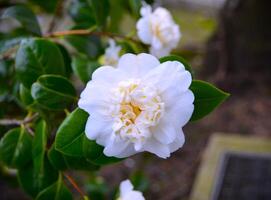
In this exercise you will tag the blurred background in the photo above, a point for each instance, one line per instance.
(228, 43)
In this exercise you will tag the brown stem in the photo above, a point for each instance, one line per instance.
(57, 13)
(90, 32)
(8, 122)
(74, 184)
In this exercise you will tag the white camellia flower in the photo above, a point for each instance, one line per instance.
(111, 56)
(141, 105)
(158, 29)
(127, 192)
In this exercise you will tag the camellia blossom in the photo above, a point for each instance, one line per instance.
(111, 56)
(141, 105)
(127, 192)
(158, 29)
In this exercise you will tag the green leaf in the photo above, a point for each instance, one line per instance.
(82, 13)
(15, 148)
(207, 98)
(140, 181)
(67, 59)
(48, 6)
(25, 95)
(7, 43)
(53, 92)
(84, 68)
(94, 153)
(25, 16)
(79, 163)
(71, 140)
(56, 158)
(39, 146)
(56, 191)
(135, 6)
(69, 136)
(101, 10)
(36, 57)
(88, 45)
(33, 183)
(177, 58)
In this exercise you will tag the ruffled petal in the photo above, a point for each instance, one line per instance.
(144, 30)
(169, 74)
(178, 142)
(137, 65)
(153, 146)
(108, 76)
(181, 110)
(95, 127)
(125, 187)
(116, 148)
(164, 132)
(94, 99)
(133, 195)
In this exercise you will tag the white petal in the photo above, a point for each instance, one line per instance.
(128, 151)
(157, 148)
(137, 65)
(176, 95)
(169, 74)
(108, 75)
(133, 195)
(94, 99)
(178, 142)
(125, 187)
(160, 52)
(95, 127)
(164, 132)
(144, 30)
(181, 111)
(116, 148)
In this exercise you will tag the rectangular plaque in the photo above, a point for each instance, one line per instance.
(243, 176)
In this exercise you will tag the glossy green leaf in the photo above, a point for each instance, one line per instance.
(135, 6)
(87, 45)
(48, 6)
(79, 163)
(94, 153)
(15, 148)
(36, 57)
(67, 60)
(53, 92)
(25, 16)
(39, 146)
(207, 98)
(82, 13)
(56, 158)
(56, 191)
(25, 95)
(7, 43)
(177, 58)
(101, 10)
(140, 181)
(84, 68)
(69, 136)
(32, 182)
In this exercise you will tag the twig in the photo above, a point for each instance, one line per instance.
(90, 32)
(8, 122)
(57, 12)
(74, 184)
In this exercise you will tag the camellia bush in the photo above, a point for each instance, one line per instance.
(89, 96)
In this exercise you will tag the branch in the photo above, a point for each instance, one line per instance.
(8, 122)
(74, 184)
(91, 32)
(57, 12)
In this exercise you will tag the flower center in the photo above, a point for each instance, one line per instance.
(136, 107)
